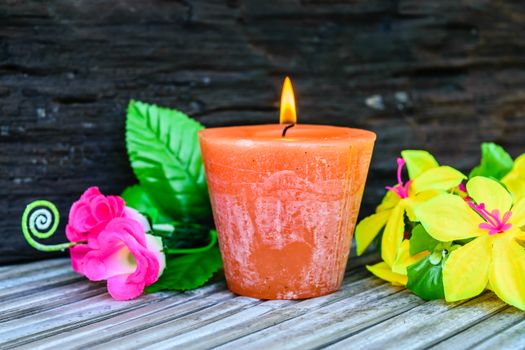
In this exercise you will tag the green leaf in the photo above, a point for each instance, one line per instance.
(426, 279)
(164, 153)
(136, 197)
(190, 271)
(495, 162)
(420, 240)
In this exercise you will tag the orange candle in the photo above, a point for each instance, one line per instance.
(285, 207)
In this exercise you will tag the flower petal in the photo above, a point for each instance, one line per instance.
(389, 201)
(516, 186)
(447, 217)
(413, 201)
(404, 259)
(507, 274)
(466, 271)
(515, 179)
(155, 246)
(441, 178)
(77, 254)
(393, 234)
(490, 192)
(518, 213)
(418, 162)
(121, 288)
(135, 215)
(368, 228)
(383, 271)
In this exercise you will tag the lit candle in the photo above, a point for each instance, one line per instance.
(285, 199)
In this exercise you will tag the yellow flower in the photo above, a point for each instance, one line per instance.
(426, 179)
(515, 179)
(495, 255)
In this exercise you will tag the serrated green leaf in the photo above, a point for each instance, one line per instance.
(164, 153)
(190, 271)
(495, 162)
(426, 279)
(420, 240)
(136, 197)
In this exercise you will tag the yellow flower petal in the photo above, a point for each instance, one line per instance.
(368, 228)
(389, 201)
(507, 274)
(466, 271)
(519, 165)
(516, 185)
(441, 178)
(418, 162)
(490, 192)
(518, 213)
(413, 201)
(404, 259)
(520, 237)
(383, 271)
(393, 234)
(515, 179)
(447, 217)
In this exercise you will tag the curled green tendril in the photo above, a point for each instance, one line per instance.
(41, 219)
(213, 241)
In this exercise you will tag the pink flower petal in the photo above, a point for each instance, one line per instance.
(135, 215)
(77, 254)
(121, 289)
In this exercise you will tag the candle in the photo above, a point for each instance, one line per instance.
(285, 199)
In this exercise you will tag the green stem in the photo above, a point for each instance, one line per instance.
(213, 241)
(42, 223)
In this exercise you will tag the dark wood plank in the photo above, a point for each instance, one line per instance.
(419, 73)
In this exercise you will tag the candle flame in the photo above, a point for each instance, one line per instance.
(288, 114)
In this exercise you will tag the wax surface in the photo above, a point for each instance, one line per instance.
(285, 208)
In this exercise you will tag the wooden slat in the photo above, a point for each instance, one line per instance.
(334, 321)
(14, 271)
(47, 306)
(510, 338)
(484, 330)
(220, 314)
(89, 310)
(49, 299)
(41, 275)
(425, 325)
(117, 329)
(149, 315)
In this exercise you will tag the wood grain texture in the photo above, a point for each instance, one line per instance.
(365, 313)
(440, 75)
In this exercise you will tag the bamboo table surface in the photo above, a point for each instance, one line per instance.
(44, 305)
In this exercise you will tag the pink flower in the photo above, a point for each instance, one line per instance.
(90, 215)
(112, 244)
(127, 257)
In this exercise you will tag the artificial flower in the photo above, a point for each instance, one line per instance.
(110, 243)
(426, 179)
(515, 179)
(494, 256)
(127, 258)
(91, 213)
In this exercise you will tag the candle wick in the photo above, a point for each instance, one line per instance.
(286, 129)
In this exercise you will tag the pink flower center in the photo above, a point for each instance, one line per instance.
(400, 189)
(493, 222)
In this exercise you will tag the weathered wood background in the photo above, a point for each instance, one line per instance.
(441, 75)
